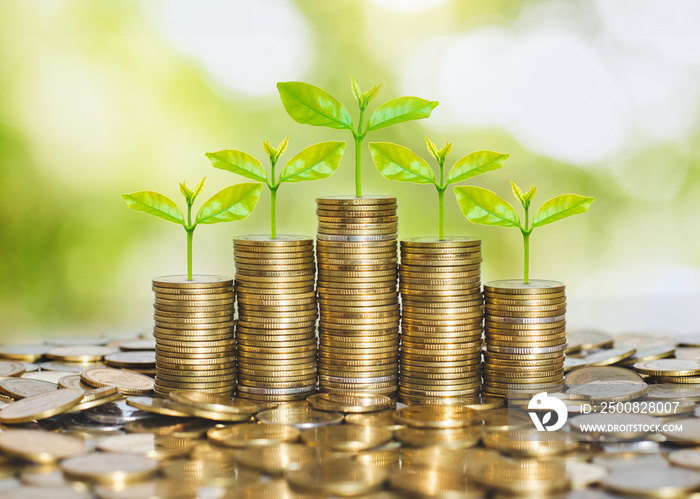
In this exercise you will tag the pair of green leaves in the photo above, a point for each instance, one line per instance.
(315, 162)
(311, 105)
(397, 162)
(485, 207)
(232, 203)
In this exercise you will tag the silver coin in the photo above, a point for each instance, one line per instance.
(115, 413)
(371, 238)
(526, 320)
(277, 391)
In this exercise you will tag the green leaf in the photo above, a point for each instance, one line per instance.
(517, 192)
(397, 162)
(485, 207)
(530, 194)
(310, 105)
(475, 164)
(155, 204)
(356, 90)
(238, 162)
(185, 191)
(282, 147)
(229, 204)
(198, 188)
(269, 150)
(370, 94)
(560, 207)
(445, 150)
(399, 110)
(314, 162)
(433, 149)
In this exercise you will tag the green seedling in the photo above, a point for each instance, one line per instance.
(485, 207)
(397, 162)
(316, 162)
(310, 105)
(232, 203)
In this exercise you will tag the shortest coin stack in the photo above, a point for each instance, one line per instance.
(277, 311)
(442, 320)
(195, 348)
(525, 332)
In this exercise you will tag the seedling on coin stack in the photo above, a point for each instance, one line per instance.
(233, 203)
(310, 105)
(399, 163)
(524, 320)
(315, 162)
(356, 241)
(275, 278)
(440, 284)
(194, 313)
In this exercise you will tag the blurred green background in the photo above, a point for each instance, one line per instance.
(99, 98)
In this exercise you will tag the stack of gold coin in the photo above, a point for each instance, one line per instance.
(358, 301)
(277, 312)
(525, 337)
(193, 331)
(442, 320)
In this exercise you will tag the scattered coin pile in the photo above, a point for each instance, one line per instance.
(80, 442)
(195, 349)
(277, 312)
(525, 337)
(442, 320)
(358, 301)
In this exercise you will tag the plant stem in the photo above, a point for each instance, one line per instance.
(441, 204)
(526, 254)
(273, 202)
(441, 213)
(190, 230)
(273, 212)
(358, 155)
(526, 246)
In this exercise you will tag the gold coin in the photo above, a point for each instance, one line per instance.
(525, 326)
(143, 358)
(40, 446)
(590, 339)
(346, 438)
(197, 281)
(509, 302)
(354, 403)
(668, 367)
(437, 417)
(516, 287)
(468, 436)
(41, 406)
(23, 353)
(158, 447)
(250, 434)
(275, 459)
(127, 382)
(19, 388)
(109, 468)
(196, 298)
(340, 477)
(520, 478)
(9, 368)
(154, 405)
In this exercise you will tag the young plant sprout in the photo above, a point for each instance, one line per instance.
(397, 162)
(316, 162)
(310, 105)
(485, 207)
(232, 203)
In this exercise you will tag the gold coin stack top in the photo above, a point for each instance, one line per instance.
(358, 301)
(277, 312)
(195, 349)
(442, 320)
(525, 332)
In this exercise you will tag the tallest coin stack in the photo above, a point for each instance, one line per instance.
(357, 296)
